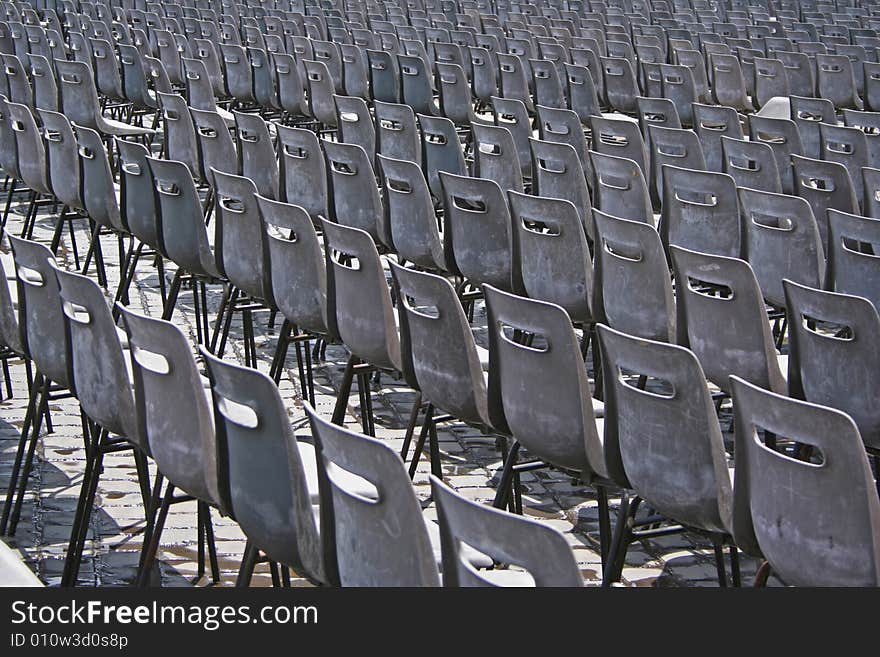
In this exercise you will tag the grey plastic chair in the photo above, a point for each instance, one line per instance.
(656, 111)
(541, 392)
(416, 85)
(276, 508)
(853, 263)
(355, 123)
(547, 84)
(441, 150)
(620, 189)
(553, 255)
(836, 82)
(181, 143)
(871, 183)
(847, 146)
(620, 138)
(632, 287)
(456, 102)
(20, 90)
(678, 85)
(674, 147)
(832, 355)
(671, 409)
(781, 241)
(496, 157)
(869, 124)
(256, 153)
(808, 113)
(776, 497)
(291, 90)
(321, 88)
(107, 75)
(721, 318)
(484, 63)
(237, 73)
(563, 126)
(799, 71)
(728, 83)
(513, 80)
(45, 85)
(356, 200)
(513, 115)
(582, 92)
(134, 79)
(751, 164)
(711, 123)
(138, 203)
(700, 211)
(355, 70)
(397, 135)
(558, 174)
(825, 186)
(540, 551)
(302, 170)
(411, 218)
(176, 421)
(771, 80)
(384, 76)
(216, 146)
(478, 231)
(783, 137)
(620, 84)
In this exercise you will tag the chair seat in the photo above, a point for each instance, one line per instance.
(509, 578)
(120, 129)
(350, 481)
(14, 571)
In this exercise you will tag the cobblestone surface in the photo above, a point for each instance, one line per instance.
(470, 465)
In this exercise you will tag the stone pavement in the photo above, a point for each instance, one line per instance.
(470, 464)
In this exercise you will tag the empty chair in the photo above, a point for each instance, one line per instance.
(871, 183)
(872, 86)
(815, 521)
(632, 288)
(728, 84)
(553, 257)
(496, 158)
(620, 138)
(416, 87)
(541, 552)
(321, 89)
(781, 241)
(355, 73)
(620, 84)
(547, 84)
(700, 211)
(720, 316)
(869, 124)
(656, 111)
(478, 231)
(825, 185)
(557, 173)
(397, 134)
(512, 79)
(291, 95)
(238, 73)
(384, 76)
(771, 80)
(711, 123)
(456, 103)
(512, 114)
(356, 200)
(583, 96)
(695, 62)
(620, 189)
(686, 480)
(302, 170)
(45, 85)
(355, 123)
(20, 90)
(678, 86)
(411, 217)
(808, 114)
(853, 264)
(541, 391)
(798, 71)
(181, 143)
(836, 82)
(847, 146)
(675, 147)
(752, 164)
(216, 146)
(441, 151)
(783, 137)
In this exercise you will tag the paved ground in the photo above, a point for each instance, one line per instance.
(470, 461)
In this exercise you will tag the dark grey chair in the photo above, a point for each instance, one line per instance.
(496, 157)
(441, 151)
(456, 102)
(256, 153)
(620, 84)
(582, 92)
(675, 147)
(303, 170)
(478, 231)
(355, 123)
(238, 73)
(825, 186)
(540, 551)
(776, 497)
(783, 137)
(711, 123)
(728, 83)
(563, 126)
(620, 138)
(853, 263)
(869, 124)
(513, 80)
(808, 114)
(620, 189)
(45, 85)
(397, 134)
(847, 146)
(557, 173)
(678, 85)
(180, 141)
(632, 287)
(216, 146)
(291, 90)
(871, 184)
(355, 73)
(700, 211)
(771, 80)
(663, 401)
(416, 85)
(780, 241)
(384, 76)
(321, 88)
(720, 316)
(751, 164)
(836, 82)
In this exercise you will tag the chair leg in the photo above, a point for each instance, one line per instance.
(171, 301)
(344, 391)
(420, 443)
(211, 543)
(248, 561)
(281, 352)
(762, 575)
(719, 562)
(619, 544)
(411, 426)
(735, 574)
(149, 526)
(153, 546)
(506, 479)
(604, 522)
(221, 312)
(19, 455)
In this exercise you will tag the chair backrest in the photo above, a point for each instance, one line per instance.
(355, 123)
(216, 146)
(834, 355)
(256, 153)
(632, 288)
(826, 186)
(20, 90)
(679, 85)
(836, 82)
(98, 188)
(564, 126)
(411, 217)
(478, 232)
(134, 77)
(620, 84)
(355, 72)
(174, 414)
(485, 73)
(817, 522)
(30, 149)
(853, 260)
(79, 96)
(771, 80)
(95, 357)
(298, 271)
(620, 189)
(356, 200)
(359, 297)
(620, 138)
(808, 113)
(437, 342)
(181, 143)
(397, 135)
(380, 540)
(684, 474)
(751, 164)
(700, 211)
(496, 157)
(441, 150)
(541, 389)
(540, 550)
(291, 95)
(199, 89)
(783, 137)
(107, 76)
(847, 146)
(711, 122)
(557, 173)
(721, 317)
(582, 92)
(455, 94)
(265, 486)
(138, 203)
(182, 233)
(553, 260)
(321, 87)
(45, 85)
(675, 147)
(302, 169)
(242, 252)
(780, 241)
(655, 111)
(512, 79)
(237, 72)
(384, 76)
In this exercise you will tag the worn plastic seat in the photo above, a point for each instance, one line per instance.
(869, 124)
(728, 83)
(397, 135)
(291, 90)
(771, 80)
(216, 146)
(321, 88)
(783, 137)
(620, 84)
(656, 111)
(484, 64)
(721, 318)
(513, 115)
(496, 157)
(847, 146)
(776, 497)
(45, 85)
(181, 143)
(138, 205)
(798, 71)
(711, 123)
(853, 263)
(20, 89)
(678, 85)
(416, 85)
(836, 82)
(513, 80)
(582, 93)
(384, 76)
(356, 200)
(620, 189)
(675, 147)
(441, 150)
(355, 73)
(237, 72)
(632, 288)
(557, 173)
(456, 102)
(752, 164)
(302, 170)
(825, 185)
(107, 76)
(808, 114)
(620, 138)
